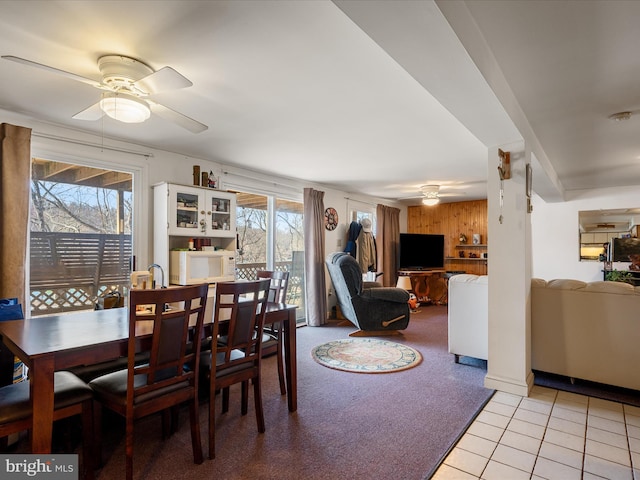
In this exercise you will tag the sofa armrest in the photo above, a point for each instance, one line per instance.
(388, 294)
(371, 285)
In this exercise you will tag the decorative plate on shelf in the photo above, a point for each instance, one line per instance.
(330, 218)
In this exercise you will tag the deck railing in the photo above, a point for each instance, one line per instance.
(295, 292)
(69, 271)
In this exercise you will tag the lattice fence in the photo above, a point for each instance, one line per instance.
(70, 271)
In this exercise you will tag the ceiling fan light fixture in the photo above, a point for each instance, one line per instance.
(431, 195)
(125, 108)
(430, 202)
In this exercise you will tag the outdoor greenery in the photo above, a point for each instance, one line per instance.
(252, 234)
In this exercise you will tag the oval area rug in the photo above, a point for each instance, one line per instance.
(366, 355)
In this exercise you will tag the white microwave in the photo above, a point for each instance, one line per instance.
(194, 267)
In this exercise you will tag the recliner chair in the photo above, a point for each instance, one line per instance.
(374, 309)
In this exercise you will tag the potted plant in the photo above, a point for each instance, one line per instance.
(618, 276)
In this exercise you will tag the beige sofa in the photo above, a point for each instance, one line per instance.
(588, 331)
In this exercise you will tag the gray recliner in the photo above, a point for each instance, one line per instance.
(370, 307)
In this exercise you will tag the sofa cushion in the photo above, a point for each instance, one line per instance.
(566, 284)
(610, 287)
(538, 282)
(470, 278)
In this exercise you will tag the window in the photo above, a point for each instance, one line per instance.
(80, 235)
(361, 211)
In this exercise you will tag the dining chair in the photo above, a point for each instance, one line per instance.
(240, 307)
(272, 340)
(173, 317)
(72, 397)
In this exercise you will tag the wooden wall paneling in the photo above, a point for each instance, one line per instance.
(452, 219)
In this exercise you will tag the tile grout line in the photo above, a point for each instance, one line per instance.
(555, 398)
(586, 430)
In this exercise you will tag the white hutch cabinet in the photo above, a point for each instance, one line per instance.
(183, 212)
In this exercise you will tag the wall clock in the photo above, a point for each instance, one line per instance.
(330, 218)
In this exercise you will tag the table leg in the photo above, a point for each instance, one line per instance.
(290, 360)
(420, 286)
(42, 389)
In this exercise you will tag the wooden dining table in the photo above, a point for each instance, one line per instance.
(51, 343)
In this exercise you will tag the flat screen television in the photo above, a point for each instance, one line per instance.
(421, 251)
(621, 248)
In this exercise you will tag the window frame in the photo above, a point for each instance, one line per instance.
(86, 155)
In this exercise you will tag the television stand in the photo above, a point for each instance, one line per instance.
(429, 285)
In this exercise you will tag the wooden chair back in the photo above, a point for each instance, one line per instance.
(279, 284)
(273, 342)
(241, 308)
(175, 317)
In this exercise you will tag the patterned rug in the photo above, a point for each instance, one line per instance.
(366, 355)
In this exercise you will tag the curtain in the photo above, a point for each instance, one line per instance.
(387, 240)
(315, 279)
(15, 174)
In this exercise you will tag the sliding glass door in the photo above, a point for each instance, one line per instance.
(270, 237)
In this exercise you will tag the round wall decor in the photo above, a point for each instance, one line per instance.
(330, 218)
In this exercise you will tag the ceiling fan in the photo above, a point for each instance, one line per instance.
(127, 84)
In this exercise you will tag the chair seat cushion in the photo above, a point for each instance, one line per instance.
(114, 386)
(205, 363)
(89, 372)
(14, 398)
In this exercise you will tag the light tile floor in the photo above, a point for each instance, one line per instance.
(552, 435)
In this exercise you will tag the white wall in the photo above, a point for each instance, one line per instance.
(555, 235)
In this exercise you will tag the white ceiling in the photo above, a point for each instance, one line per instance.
(371, 97)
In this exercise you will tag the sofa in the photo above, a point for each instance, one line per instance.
(468, 316)
(588, 331)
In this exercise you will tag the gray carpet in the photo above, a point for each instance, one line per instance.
(348, 425)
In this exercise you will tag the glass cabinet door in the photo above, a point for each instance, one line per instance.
(221, 214)
(184, 206)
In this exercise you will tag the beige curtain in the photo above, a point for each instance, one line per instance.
(315, 280)
(387, 240)
(15, 168)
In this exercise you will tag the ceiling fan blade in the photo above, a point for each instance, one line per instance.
(70, 75)
(94, 112)
(178, 118)
(163, 80)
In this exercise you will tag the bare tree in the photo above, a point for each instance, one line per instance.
(59, 207)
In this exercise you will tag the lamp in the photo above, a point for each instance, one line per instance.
(125, 108)
(430, 202)
(404, 282)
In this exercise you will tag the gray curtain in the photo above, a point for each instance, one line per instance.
(315, 280)
(15, 174)
(387, 240)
